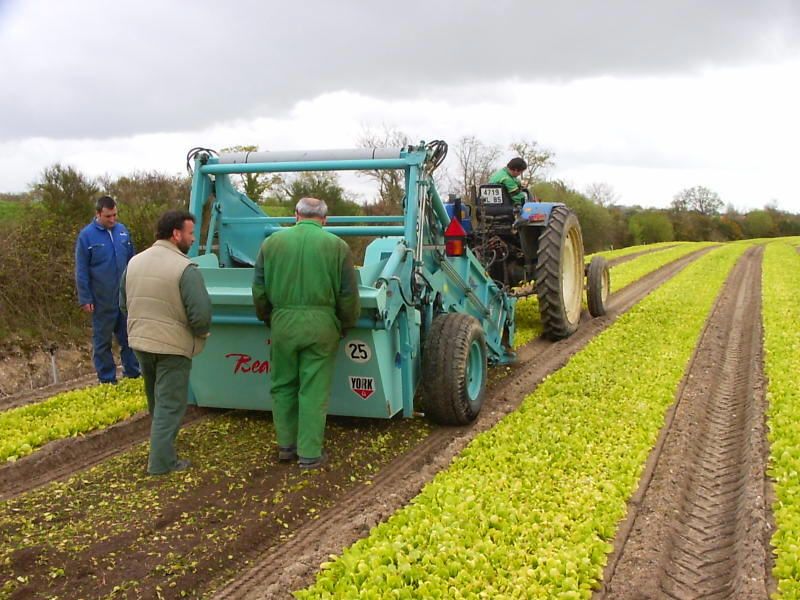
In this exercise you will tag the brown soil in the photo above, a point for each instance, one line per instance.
(26, 376)
(699, 524)
(623, 259)
(271, 526)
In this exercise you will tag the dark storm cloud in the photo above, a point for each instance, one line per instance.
(98, 69)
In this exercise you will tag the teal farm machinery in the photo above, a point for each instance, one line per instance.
(434, 313)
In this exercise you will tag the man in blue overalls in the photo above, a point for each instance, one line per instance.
(102, 252)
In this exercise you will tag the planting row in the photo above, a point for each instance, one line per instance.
(612, 254)
(781, 313)
(24, 429)
(627, 273)
(529, 325)
(530, 507)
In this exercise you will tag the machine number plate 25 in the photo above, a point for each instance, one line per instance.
(358, 351)
(492, 195)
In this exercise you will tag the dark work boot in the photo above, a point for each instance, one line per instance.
(287, 453)
(183, 464)
(312, 463)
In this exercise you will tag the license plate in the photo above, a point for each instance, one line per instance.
(492, 195)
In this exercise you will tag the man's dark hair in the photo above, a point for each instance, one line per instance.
(517, 164)
(105, 202)
(171, 220)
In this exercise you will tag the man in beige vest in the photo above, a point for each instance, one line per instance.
(169, 315)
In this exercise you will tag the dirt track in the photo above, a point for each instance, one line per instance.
(623, 259)
(699, 524)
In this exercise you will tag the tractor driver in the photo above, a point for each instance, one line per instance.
(508, 177)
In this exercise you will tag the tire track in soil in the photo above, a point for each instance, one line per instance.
(294, 563)
(623, 259)
(698, 527)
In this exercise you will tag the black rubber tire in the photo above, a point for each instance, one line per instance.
(598, 286)
(559, 305)
(444, 369)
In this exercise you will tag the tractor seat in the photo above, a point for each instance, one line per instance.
(493, 201)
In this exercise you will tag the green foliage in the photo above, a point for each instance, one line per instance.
(699, 199)
(530, 507)
(325, 186)
(611, 254)
(67, 194)
(781, 314)
(528, 321)
(37, 289)
(256, 186)
(594, 219)
(650, 226)
(10, 209)
(758, 224)
(24, 429)
(143, 197)
(626, 273)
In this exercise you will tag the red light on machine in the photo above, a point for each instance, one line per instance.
(537, 217)
(455, 239)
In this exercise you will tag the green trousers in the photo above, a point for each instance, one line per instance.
(166, 385)
(303, 354)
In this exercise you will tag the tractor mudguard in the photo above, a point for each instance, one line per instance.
(536, 213)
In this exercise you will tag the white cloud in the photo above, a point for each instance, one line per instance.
(733, 130)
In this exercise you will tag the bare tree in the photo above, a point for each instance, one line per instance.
(537, 158)
(601, 193)
(391, 190)
(476, 162)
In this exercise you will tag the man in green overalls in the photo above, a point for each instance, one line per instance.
(507, 176)
(305, 289)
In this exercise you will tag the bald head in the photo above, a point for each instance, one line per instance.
(311, 208)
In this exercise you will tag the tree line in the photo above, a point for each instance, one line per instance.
(37, 235)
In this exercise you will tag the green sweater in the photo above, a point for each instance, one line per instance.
(306, 267)
(502, 176)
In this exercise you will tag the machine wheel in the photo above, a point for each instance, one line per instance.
(598, 286)
(559, 274)
(454, 369)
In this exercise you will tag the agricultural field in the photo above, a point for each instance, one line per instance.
(588, 472)
(10, 209)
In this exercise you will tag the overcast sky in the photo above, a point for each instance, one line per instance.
(649, 97)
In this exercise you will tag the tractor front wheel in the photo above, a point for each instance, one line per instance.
(454, 369)
(560, 273)
(598, 285)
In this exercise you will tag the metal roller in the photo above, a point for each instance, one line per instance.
(309, 155)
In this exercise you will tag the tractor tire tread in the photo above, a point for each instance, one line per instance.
(594, 286)
(446, 353)
(548, 274)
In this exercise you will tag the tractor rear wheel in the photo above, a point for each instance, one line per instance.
(560, 273)
(454, 369)
(598, 285)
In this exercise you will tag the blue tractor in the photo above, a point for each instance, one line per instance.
(540, 243)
